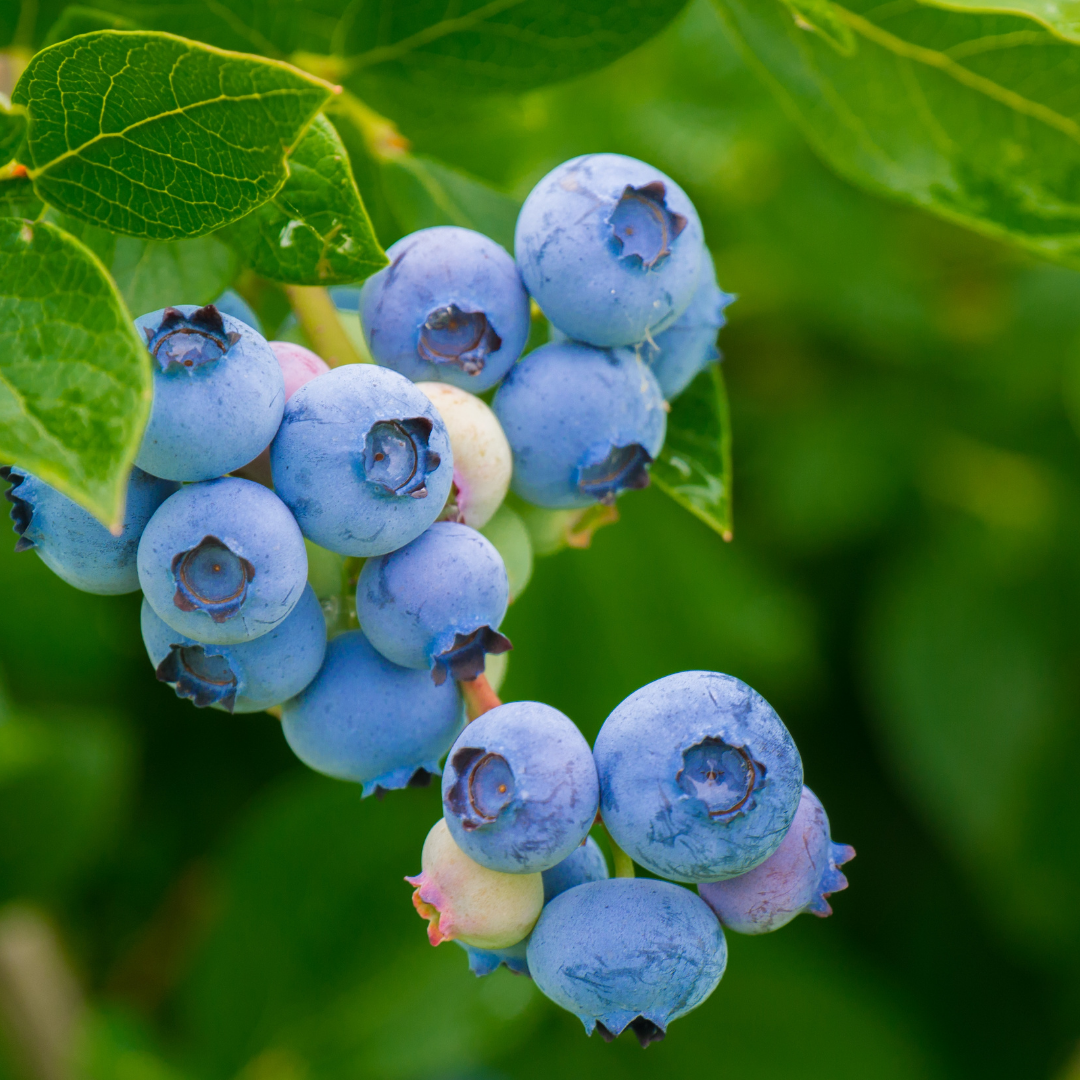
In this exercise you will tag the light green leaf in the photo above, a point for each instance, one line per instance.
(1061, 16)
(315, 230)
(159, 137)
(973, 117)
(152, 274)
(74, 376)
(694, 467)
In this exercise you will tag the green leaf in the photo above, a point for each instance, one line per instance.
(152, 274)
(478, 45)
(970, 116)
(75, 383)
(315, 230)
(1061, 16)
(694, 467)
(17, 198)
(159, 137)
(12, 130)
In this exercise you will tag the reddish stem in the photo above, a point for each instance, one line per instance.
(479, 697)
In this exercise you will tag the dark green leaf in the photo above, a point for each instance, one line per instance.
(17, 198)
(12, 130)
(478, 45)
(971, 116)
(315, 230)
(78, 19)
(1061, 16)
(74, 375)
(694, 467)
(159, 137)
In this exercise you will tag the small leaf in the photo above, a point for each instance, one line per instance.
(159, 137)
(1060, 16)
(74, 376)
(315, 230)
(970, 116)
(17, 198)
(694, 467)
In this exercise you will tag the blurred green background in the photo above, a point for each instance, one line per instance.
(903, 586)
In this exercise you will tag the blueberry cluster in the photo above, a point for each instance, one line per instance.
(334, 545)
(695, 778)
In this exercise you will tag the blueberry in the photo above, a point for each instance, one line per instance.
(520, 790)
(222, 562)
(71, 542)
(795, 878)
(298, 365)
(436, 603)
(232, 303)
(627, 952)
(482, 461)
(584, 863)
(689, 345)
(246, 677)
(370, 721)
(610, 248)
(699, 778)
(466, 902)
(583, 424)
(218, 393)
(363, 460)
(450, 308)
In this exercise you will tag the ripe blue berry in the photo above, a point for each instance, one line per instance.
(520, 791)
(71, 542)
(627, 952)
(436, 604)
(688, 345)
(583, 424)
(450, 307)
(218, 393)
(699, 778)
(222, 562)
(610, 248)
(796, 877)
(362, 459)
(371, 721)
(584, 863)
(245, 677)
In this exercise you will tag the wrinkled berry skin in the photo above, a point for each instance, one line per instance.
(699, 778)
(217, 404)
(436, 604)
(688, 345)
(370, 721)
(584, 863)
(583, 424)
(519, 789)
(71, 542)
(627, 952)
(464, 901)
(797, 877)
(253, 675)
(222, 562)
(449, 308)
(610, 248)
(362, 459)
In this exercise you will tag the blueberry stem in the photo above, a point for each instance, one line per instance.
(479, 697)
(624, 865)
(319, 320)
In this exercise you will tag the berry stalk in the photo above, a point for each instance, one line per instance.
(319, 319)
(624, 865)
(479, 697)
